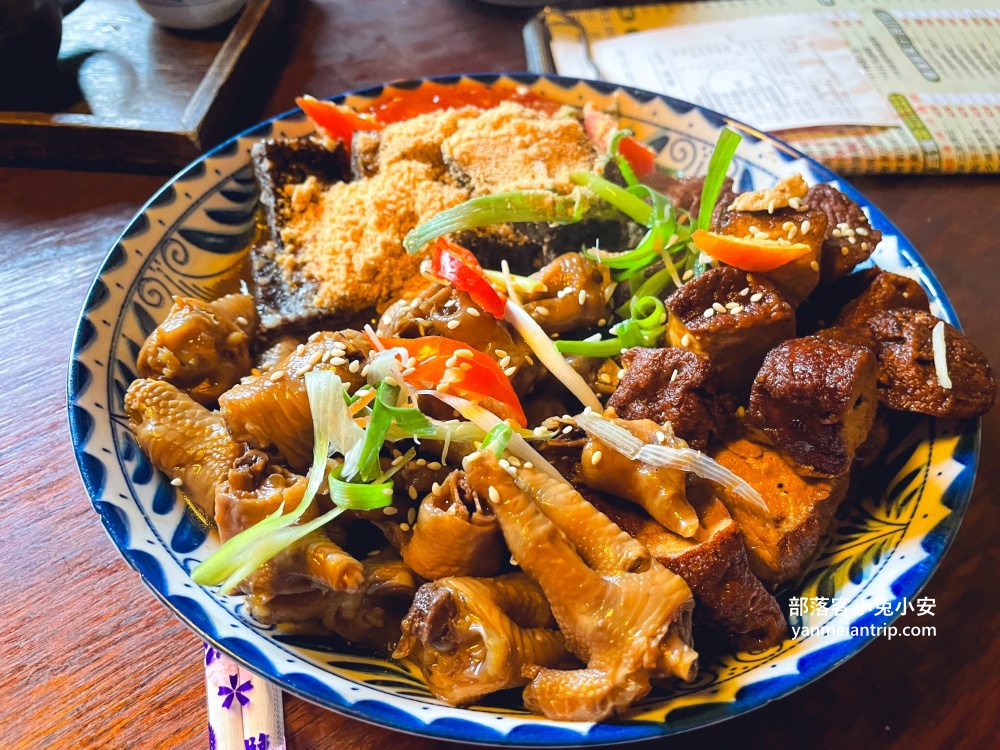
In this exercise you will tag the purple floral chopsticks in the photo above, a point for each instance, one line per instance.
(244, 710)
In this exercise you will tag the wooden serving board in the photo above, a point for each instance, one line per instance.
(133, 96)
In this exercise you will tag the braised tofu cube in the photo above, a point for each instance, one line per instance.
(734, 318)
(850, 238)
(794, 280)
(671, 385)
(782, 540)
(877, 291)
(909, 378)
(814, 400)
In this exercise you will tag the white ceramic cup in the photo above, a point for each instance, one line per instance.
(191, 14)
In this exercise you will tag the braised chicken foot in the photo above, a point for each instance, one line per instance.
(474, 636)
(621, 612)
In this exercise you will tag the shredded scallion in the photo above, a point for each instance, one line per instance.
(718, 165)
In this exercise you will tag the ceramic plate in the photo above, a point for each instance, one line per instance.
(189, 240)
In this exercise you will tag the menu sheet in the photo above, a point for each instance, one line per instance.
(865, 86)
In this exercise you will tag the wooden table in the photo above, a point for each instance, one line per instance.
(90, 660)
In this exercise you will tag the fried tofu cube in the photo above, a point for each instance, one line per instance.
(815, 400)
(782, 540)
(794, 280)
(671, 385)
(734, 318)
(878, 291)
(850, 238)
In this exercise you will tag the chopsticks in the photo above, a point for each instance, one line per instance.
(244, 710)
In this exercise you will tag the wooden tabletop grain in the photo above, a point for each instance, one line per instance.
(92, 660)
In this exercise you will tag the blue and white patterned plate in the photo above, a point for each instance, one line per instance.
(189, 240)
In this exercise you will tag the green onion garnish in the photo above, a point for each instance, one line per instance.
(718, 165)
(534, 206)
(351, 496)
(623, 166)
(630, 205)
(496, 439)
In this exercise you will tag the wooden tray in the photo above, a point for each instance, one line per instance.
(133, 96)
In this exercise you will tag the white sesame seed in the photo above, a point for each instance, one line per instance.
(390, 511)
(509, 372)
(435, 488)
(794, 202)
(543, 311)
(514, 461)
(511, 470)
(391, 381)
(500, 352)
(242, 321)
(433, 465)
(754, 230)
(176, 482)
(301, 371)
(464, 366)
(788, 226)
(717, 306)
(411, 516)
(451, 362)
(275, 376)
(441, 387)
(673, 375)
(596, 458)
(730, 305)
(604, 377)
(354, 366)
(836, 233)
(494, 495)
(528, 465)
(621, 373)
(315, 358)
(300, 349)
(862, 231)
(313, 336)
(412, 492)
(505, 362)
(852, 239)
(582, 297)
(601, 322)
(744, 291)
(736, 310)
(660, 437)
(864, 246)
(408, 371)
(398, 459)
(688, 275)
(404, 526)
(472, 311)
(806, 226)
(762, 236)
(387, 491)
(756, 297)
(814, 266)
(567, 429)
(453, 324)
(792, 232)
(364, 371)
(685, 339)
(464, 353)
(338, 361)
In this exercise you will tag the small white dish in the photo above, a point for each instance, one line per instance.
(191, 14)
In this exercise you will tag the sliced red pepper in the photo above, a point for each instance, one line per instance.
(483, 382)
(455, 264)
(335, 120)
(756, 256)
(639, 156)
(600, 127)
